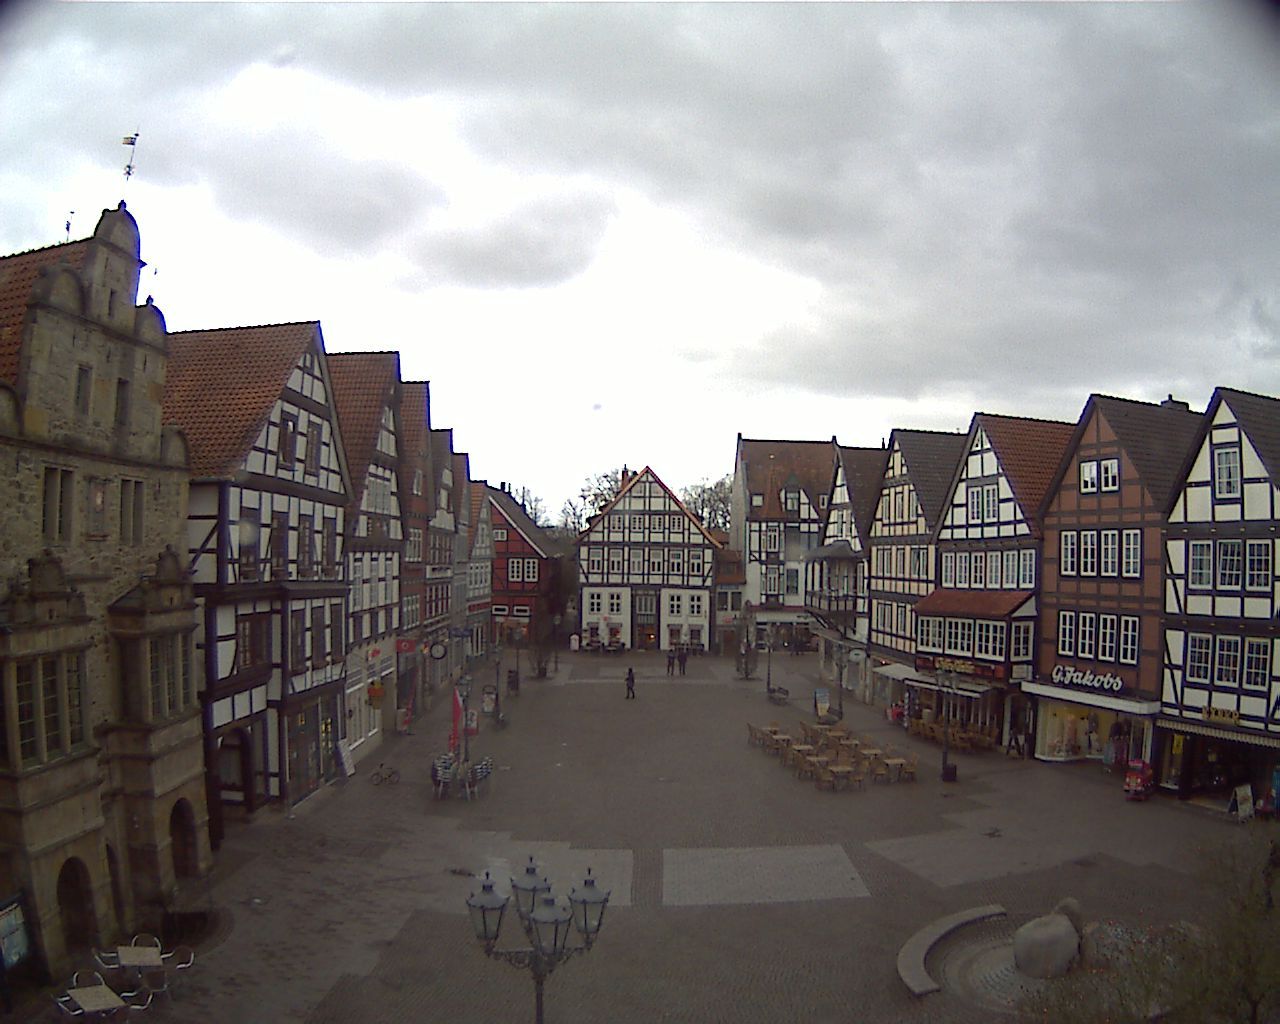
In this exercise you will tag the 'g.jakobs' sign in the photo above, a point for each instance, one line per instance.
(1066, 675)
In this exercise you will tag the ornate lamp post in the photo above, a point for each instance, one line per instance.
(546, 924)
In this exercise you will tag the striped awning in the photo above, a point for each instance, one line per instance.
(1256, 739)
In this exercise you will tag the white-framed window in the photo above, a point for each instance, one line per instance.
(695, 564)
(948, 568)
(1087, 635)
(900, 619)
(791, 501)
(989, 640)
(637, 524)
(991, 503)
(637, 561)
(959, 636)
(1131, 554)
(962, 569)
(675, 604)
(1226, 472)
(499, 533)
(1230, 556)
(1129, 639)
(675, 561)
(1022, 641)
(979, 576)
(772, 537)
(531, 570)
(1226, 663)
(772, 580)
(499, 610)
(1069, 543)
(1088, 552)
(594, 558)
(1110, 554)
(793, 581)
(655, 561)
(974, 495)
(1027, 569)
(695, 604)
(1257, 664)
(593, 602)
(1200, 564)
(1106, 638)
(1199, 648)
(615, 603)
(757, 500)
(1088, 478)
(413, 545)
(1011, 570)
(615, 561)
(993, 571)
(1067, 633)
(1110, 471)
(515, 570)
(929, 633)
(1258, 565)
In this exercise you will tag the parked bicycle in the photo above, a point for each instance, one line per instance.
(383, 774)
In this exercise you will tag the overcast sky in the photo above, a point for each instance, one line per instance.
(624, 234)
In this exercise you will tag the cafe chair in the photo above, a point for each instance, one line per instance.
(67, 1006)
(908, 770)
(83, 979)
(139, 999)
(145, 939)
(107, 959)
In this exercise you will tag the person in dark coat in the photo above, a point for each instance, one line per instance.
(671, 662)
(682, 657)
(631, 684)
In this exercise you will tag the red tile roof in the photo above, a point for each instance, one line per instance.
(364, 383)
(1029, 452)
(18, 275)
(221, 384)
(773, 465)
(984, 604)
(415, 415)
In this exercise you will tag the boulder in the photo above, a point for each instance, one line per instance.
(1046, 947)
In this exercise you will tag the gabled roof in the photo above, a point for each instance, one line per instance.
(518, 518)
(772, 466)
(441, 448)
(931, 457)
(18, 276)
(364, 383)
(1259, 418)
(221, 384)
(1157, 438)
(630, 483)
(1030, 452)
(863, 473)
(462, 486)
(415, 414)
(476, 498)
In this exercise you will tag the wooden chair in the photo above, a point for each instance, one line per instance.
(806, 767)
(858, 778)
(824, 778)
(879, 770)
(908, 771)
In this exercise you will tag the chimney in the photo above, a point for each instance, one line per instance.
(1173, 403)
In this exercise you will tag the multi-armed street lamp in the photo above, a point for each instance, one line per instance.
(545, 923)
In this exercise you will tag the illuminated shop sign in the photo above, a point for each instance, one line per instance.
(1069, 675)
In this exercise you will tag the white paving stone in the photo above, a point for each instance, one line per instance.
(758, 874)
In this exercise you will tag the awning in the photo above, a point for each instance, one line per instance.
(1142, 708)
(908, 675)
(1256, 739)
(980, 604)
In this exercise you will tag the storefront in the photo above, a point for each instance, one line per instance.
(1089, 717)
(1203, 758)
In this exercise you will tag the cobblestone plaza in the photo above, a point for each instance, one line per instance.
(739, 893)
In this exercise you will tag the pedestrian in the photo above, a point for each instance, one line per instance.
(631, 684)
(671, 662)
(683, 657)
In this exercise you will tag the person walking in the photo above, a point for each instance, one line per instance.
(631, 684)
(671, 662)
(682, 657)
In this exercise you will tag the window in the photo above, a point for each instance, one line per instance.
(314, 433)
(655, 560)
(1198, 647)
(1257, 664)
(28, 739)
(615, 603)
(1069, 544)
(1088, 553)
(1129, 639)
(131, 499)
(695, 604)
(929, 631)
(531, 570)
(1229, 568)
(948, 568)
(772, 537)
(1131, 554)
(791, 500)
(413, 545)
(319, 634)
(1027, 569)
(84, 389)
(1021, 641)
(675, 604)
(675, 561)
(1088, 626)
(1110, 553)
(95, 520)
(515, 569)
(1226, 668)
(337, 632)
(695, 564)
(122, 402)
(959, 636)
(329, 547)
(979, 561)
(1226, 472)
(306, 547)
(1106, 638)
(974, 494)
(415, 485)
(637, 562)
(991, 503)
(253, 642)
(279, 545)
(50, 706)
(58, 489)
(499, 533)
(1110, 474)
(722, 600)
(593, 603)
(993, 571)
(288, 447)
(297, 641)
(757, 500)
(1258, 565)
(412, 610)
(772, 579)
(989, 640)
(615, 561)
(1088, 477)
(1200, 569)
(594, 561)
(1011, 563)
(248, 541)
(962, 569)
(793, 581)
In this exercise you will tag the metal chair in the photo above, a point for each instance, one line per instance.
(140, 999)
(67, 1005)
(145, 939)
(85, 978)
(107, 959)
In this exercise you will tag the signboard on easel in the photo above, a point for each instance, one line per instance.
(1241, 802)
(345, 759)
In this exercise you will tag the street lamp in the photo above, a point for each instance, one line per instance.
(948, 680)
(546, 924)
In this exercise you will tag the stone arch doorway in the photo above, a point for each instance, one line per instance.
(182, 840)
(75, 905)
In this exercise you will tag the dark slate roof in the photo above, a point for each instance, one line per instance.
(364, 383)
(1157, 438)
(931, 457)
(864, 473)
(772, 465)
(1030, 452)
(1259, 418)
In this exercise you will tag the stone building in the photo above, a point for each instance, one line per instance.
(102, 804)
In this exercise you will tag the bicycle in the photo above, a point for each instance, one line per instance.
(383, 774)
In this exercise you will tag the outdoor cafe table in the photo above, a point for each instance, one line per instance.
(872, 752)
(842, 772)
(896, 764)
(800, 750)
(139, 957)
(95, 998)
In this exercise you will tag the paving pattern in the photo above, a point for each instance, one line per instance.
(739, 893)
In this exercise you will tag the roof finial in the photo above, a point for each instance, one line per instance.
(68, 224)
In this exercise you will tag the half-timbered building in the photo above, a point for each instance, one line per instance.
(646, 566)
(975, 631)
(1099, 664)
(444, 658)
(777, 509)
(479, 570)
(366, 395)
(1219, 724)
(102, 802)
(417, 498)
(836, 573)
(266, 528)
(917, 478)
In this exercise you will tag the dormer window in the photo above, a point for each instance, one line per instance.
(791, 501)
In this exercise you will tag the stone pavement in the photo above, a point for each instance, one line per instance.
(738, 892)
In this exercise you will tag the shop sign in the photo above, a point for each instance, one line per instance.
(1069, 675)
(1212, 714)
(981, 670)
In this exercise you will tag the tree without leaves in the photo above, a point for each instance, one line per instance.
(572, 518)
(710, 502)
(600, 489)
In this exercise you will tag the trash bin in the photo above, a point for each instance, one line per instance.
(949, 772)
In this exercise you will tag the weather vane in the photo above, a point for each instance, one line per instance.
(132, 142)
(69, 216)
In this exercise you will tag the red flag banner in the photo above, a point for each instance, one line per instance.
(404, 646)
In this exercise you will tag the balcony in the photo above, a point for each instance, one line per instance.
(838, 610)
